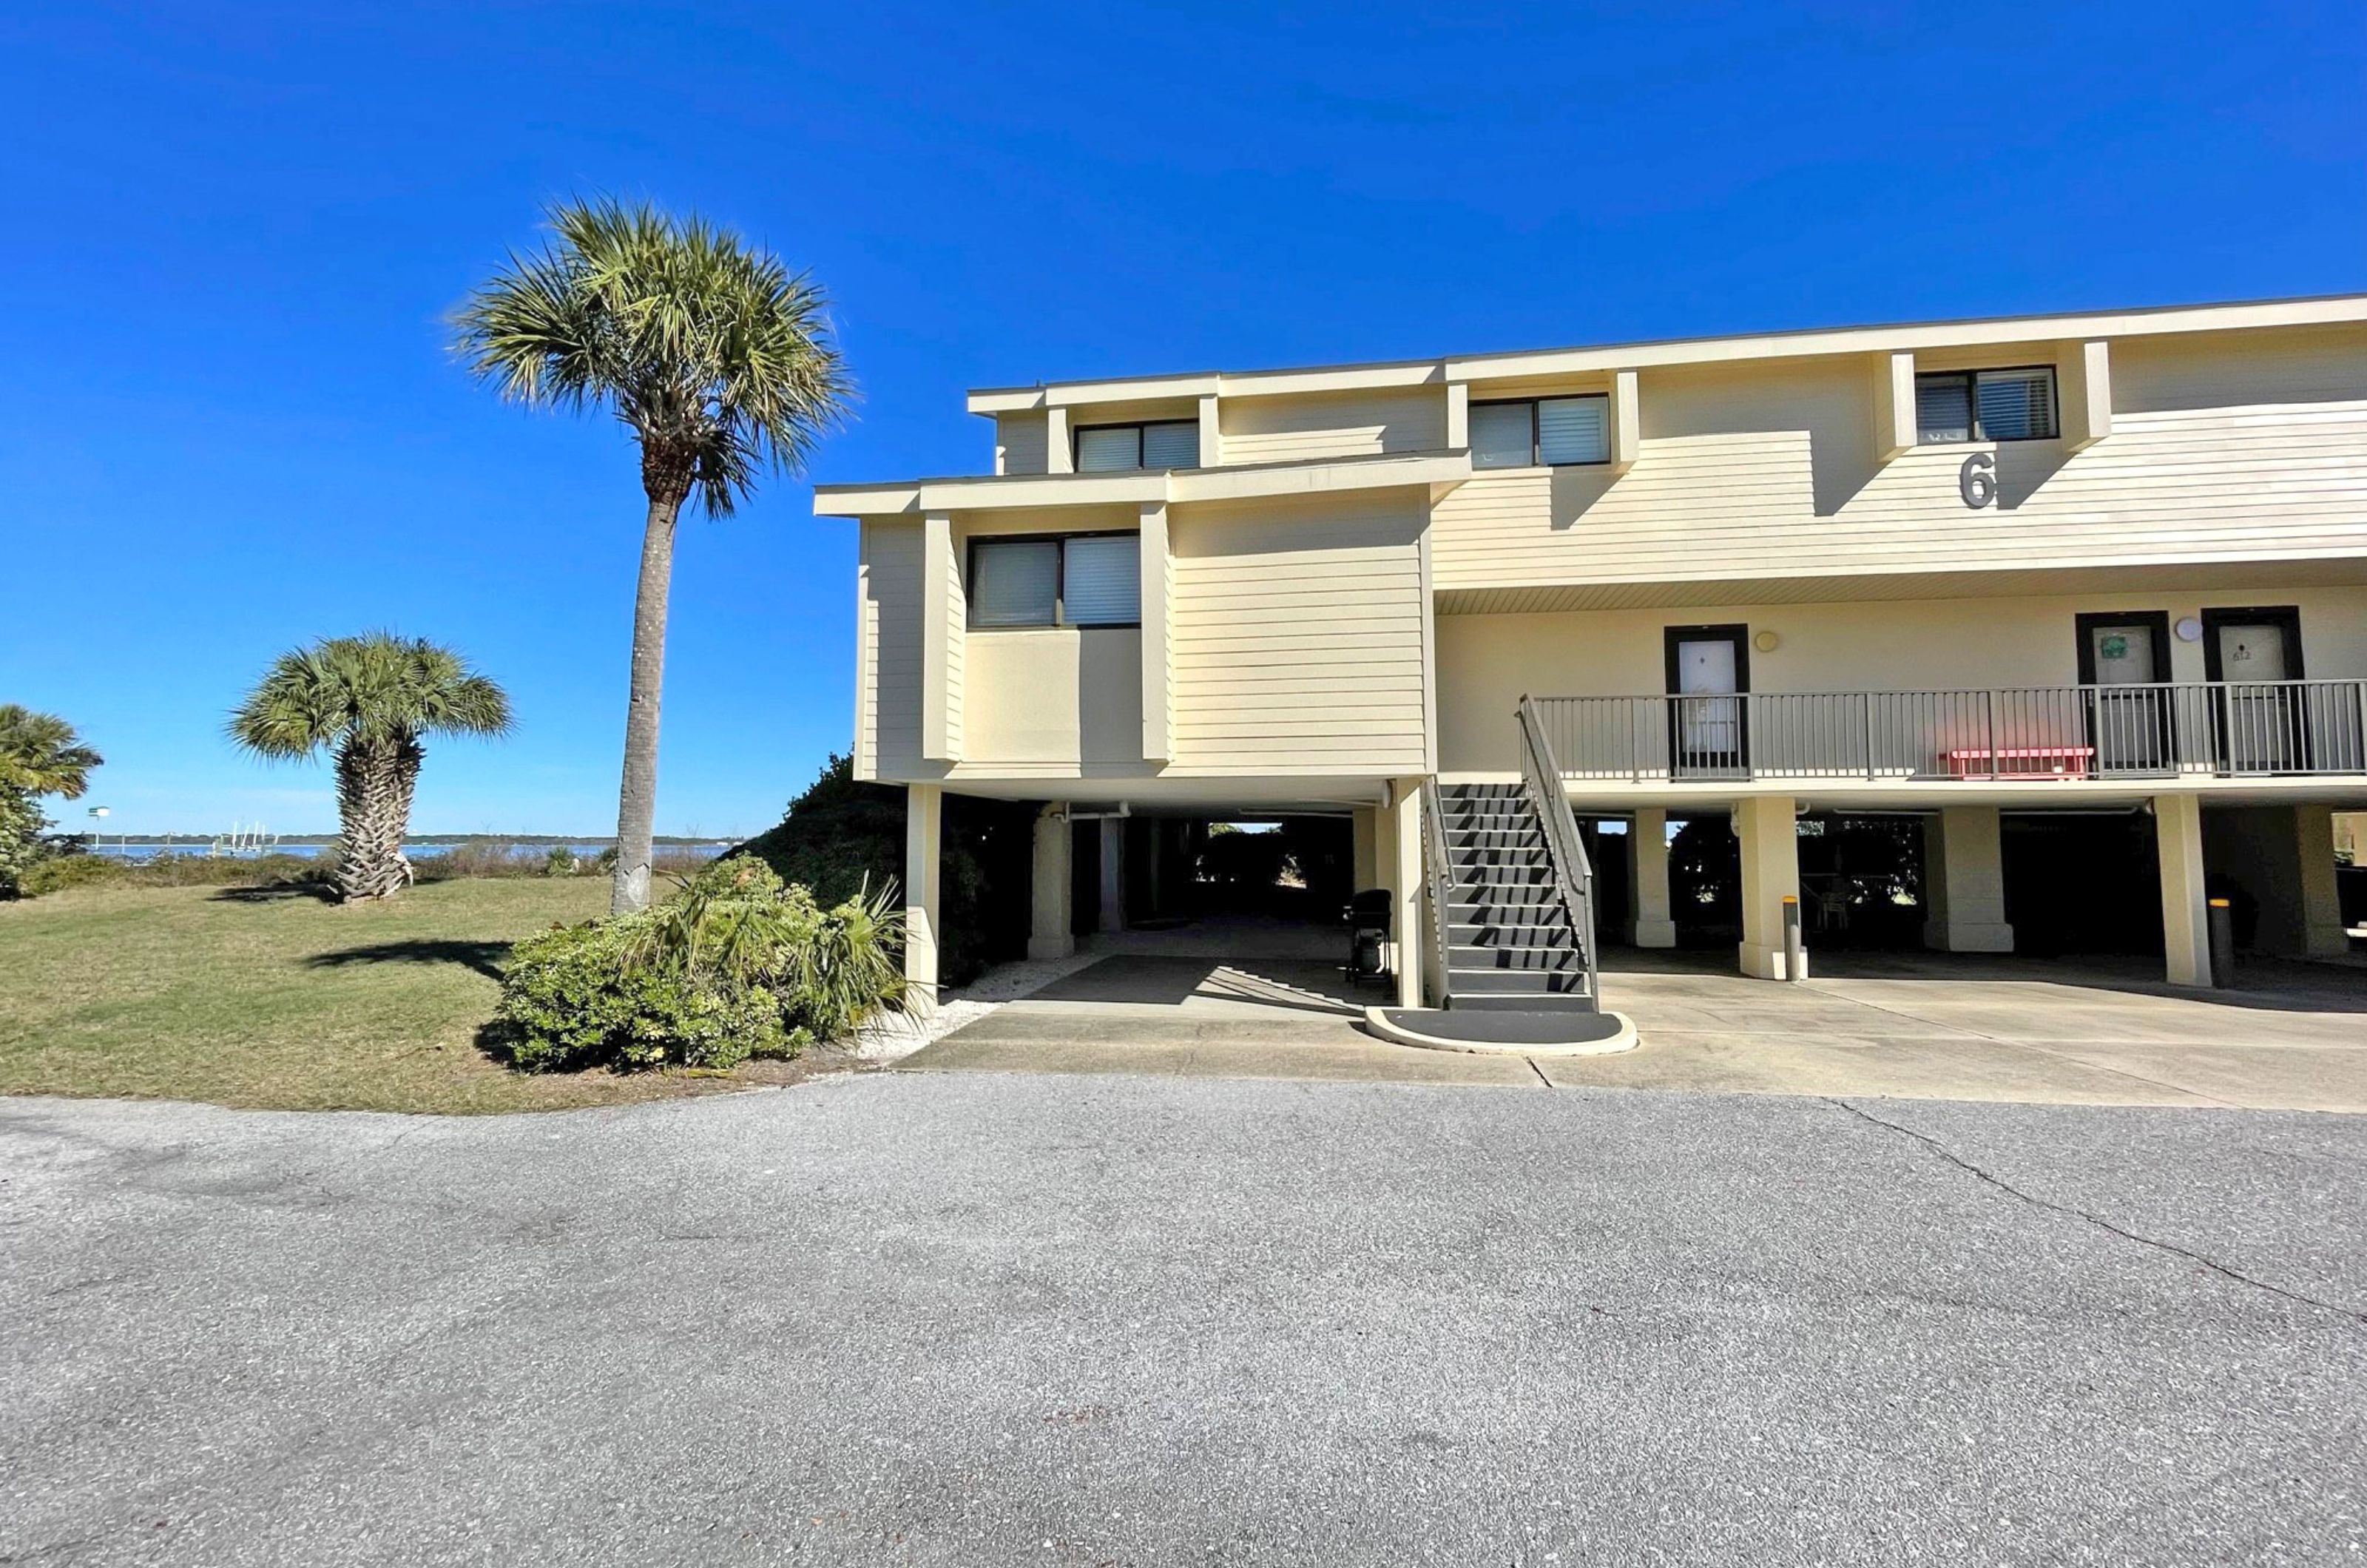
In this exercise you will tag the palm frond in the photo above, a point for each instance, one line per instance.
(375, 688)
(41, 753)
(721, 359)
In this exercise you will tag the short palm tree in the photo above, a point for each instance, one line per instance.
(369, 702)
(41, 753)
(717, 357)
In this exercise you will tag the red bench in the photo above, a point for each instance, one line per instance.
(2021, 762)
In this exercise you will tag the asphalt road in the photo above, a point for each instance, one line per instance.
(980, 1319)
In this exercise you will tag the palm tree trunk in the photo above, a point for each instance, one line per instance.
(372, 806)
(637, 798)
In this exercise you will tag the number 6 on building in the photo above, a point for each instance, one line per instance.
(1976, 481)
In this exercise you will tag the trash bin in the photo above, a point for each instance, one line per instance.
(1368, 934)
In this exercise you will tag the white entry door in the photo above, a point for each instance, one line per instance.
(1708, 721)
(2122, 661)
(2261, 717)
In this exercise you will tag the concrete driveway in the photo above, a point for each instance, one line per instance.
(1919, 1026)
(970, 1319)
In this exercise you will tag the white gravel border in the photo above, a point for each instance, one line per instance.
(892, 1036)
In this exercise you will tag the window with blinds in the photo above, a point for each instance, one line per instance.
(2015, 404)
(1573, 430)
(1162, 444)
(1101, 580)
(1080, 580)
(1014, 583)
(1541, 431)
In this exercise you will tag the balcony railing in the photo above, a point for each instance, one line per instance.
(2231, 728)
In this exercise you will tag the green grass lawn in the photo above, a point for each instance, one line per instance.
(270, 997)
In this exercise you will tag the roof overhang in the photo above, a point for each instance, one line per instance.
(1529, 363)
(1436, 472)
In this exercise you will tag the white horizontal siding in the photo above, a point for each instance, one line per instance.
(1282, 430)
(1298, 641)
(1758, 473)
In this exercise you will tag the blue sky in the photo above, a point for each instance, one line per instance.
(228, 425)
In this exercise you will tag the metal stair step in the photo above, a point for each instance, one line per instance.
(1491, 875)
(1478, 982)
(1505, 901)
(1465, 860)
(1462, 959)
(1521, 838)
(1497, 934)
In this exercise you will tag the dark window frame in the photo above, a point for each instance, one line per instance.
(2286, 618)
(2296, 719)
(1060, 621)
(1536, 428)
(1972, 375)
(1077, 442)
(1672, 638)
(2132, 707)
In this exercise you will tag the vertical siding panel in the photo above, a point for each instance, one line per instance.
(892, 615)
(1020, 444)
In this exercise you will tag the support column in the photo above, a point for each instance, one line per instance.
(1405, 882)
(1113, 918)
(1771, 873)
(1647, 888)
(923, 810)
(1048, 933)
(2185, 915)
(1364, 834)
(1963, 882)
(2321, 893)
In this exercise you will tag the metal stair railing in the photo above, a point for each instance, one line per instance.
(1441, 876)
(1565, 849)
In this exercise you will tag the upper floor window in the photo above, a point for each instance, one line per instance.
(1162, 444)
(1986, 405)
(1074, 580)
(1541, 431)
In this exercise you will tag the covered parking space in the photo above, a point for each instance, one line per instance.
(1255, 870)
(2072, 869)
(1931, 1026)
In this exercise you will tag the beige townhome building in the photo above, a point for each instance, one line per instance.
(2094, 585)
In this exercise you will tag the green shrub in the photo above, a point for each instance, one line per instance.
(843, 838)
(575, 997)
(231, 871)
(561, 861)
(475, 857)
(20, 839)
(737, 965)
(61, 872)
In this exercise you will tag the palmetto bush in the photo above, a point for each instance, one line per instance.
(370, 703)
(737, 964)
(39, 754)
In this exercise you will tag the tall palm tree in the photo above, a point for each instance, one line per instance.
(369, 702)
(718, 359)
(41, 753)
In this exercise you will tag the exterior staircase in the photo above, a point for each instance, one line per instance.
(1512, 943)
